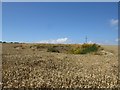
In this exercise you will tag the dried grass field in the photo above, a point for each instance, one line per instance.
(30, 67)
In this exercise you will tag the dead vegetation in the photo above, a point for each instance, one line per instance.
(35, 66)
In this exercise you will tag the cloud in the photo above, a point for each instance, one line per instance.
(91, 42)
(114, 22)
(62, 40)
(57, 41)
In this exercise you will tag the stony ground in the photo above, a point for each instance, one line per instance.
(25, 67)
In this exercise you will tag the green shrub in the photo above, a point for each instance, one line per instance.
(75, 51)
(4, 42)
(85, 48)
(52, 49)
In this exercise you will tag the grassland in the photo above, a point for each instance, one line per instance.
(32, 65)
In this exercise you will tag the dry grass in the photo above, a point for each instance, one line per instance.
(32, 67)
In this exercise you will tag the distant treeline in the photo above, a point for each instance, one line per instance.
(8, 42)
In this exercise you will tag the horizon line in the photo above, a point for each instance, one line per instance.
(17, 42)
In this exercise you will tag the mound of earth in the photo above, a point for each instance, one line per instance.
(37, 68)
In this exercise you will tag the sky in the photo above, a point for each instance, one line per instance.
(60, 22)
(60, 0)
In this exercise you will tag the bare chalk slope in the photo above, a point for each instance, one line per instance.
(27, 67)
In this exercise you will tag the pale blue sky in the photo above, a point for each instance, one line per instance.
(60, 22)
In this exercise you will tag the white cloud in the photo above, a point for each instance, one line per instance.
(90, 42)
(62, 40)
(57, 41)
(43, 41)
(114, 22)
